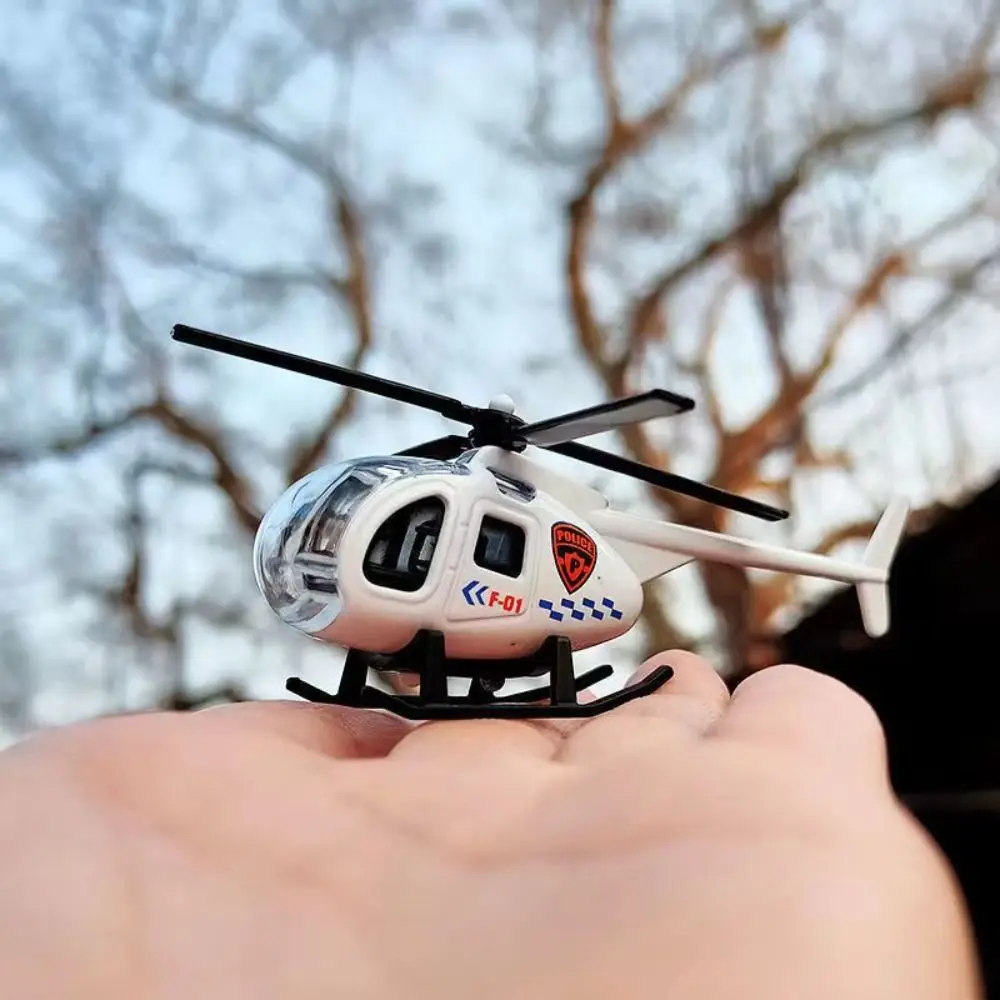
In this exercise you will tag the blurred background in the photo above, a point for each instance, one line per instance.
(788, 210)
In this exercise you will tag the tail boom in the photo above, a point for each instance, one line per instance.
(870, 576)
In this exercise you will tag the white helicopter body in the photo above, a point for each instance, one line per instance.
(499, 568)
(464, 557)
(495, 551)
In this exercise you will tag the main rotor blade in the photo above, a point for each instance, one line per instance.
(669, 481)
(448, 407)
(605, 417)
(443, 448)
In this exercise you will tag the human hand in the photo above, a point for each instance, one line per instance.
(684, 845)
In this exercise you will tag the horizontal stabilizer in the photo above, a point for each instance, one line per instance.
(873, 596)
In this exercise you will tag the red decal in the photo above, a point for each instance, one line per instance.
(575, 553)
(511, 604)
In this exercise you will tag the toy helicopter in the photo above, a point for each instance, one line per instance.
(466, 558)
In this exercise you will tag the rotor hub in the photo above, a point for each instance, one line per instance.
(497, 425)
(502, 403)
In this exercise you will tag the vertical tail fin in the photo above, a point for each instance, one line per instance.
(873, 597)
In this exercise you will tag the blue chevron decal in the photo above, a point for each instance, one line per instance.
(473, 596)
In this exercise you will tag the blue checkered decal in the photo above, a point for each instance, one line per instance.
(579, 612)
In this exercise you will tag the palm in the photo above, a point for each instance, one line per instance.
(286, 850)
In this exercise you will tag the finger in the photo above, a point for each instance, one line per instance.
(402, 683)
(804, 712)
(684, 708)
(331, 730)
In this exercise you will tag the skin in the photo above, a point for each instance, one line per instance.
(685, 845)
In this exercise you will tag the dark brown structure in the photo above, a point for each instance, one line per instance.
(935, 683)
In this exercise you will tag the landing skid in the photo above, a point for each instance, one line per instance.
(425, 658)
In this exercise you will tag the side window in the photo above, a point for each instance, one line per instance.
(400, 554)
(500, 546)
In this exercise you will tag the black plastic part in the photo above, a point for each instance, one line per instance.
(668, 480)
(453, 409)
(504, 430)
(425, 657)
(443, 449)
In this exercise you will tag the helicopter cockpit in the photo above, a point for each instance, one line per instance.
(296, 558)
(400, 553)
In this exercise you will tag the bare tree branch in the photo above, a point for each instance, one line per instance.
(271, 275)
(169, 417)
(246, 125)
(960, 285)
(662, 632)
(963, 92)
(353, 289)
(623, 140)
(233, 483)
(76, 443)
(127, 599)
(852, 531)
(755, 238)
(779, 424)
(357, 291)
(701, 367)
(776, 592)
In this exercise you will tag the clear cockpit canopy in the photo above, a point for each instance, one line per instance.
(296, 552)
